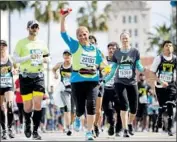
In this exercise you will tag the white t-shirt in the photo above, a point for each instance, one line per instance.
(156, 62)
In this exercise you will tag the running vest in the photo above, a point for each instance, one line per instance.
(143, 92)
(6, 75)
(110, 83)
(64, 78)
(166, 69)
(84, 62)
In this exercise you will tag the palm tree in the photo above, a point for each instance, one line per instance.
(10, 6)
(161, 33)
(87, 16)
(47, 17)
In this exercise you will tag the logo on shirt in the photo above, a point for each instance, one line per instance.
(126, 59)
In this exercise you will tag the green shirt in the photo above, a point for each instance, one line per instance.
(26, 47)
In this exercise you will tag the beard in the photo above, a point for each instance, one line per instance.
(33, 33)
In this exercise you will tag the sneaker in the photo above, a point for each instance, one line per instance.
(118, 134)
(130, 129)
(36, 136)
(10, 133)
(27, 131)
(4, 135)
(68, 132)
(170, 133)
(96, 130)
(111, 131)
(77, 124)
(126, 133)
(89, 136)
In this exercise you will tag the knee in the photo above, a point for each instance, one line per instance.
(91, 107)
(27, 108)
(37, 105)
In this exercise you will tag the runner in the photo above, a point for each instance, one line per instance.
(99, 99)
(111, 102)
(165, 65)
(65, 69)
(126, 60)
(6, 90)
(19, 103)
(84, 78)
(31, 53)
(142, 112)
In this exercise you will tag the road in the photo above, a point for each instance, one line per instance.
(58, 136)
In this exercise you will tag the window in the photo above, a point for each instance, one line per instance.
(136, 32)
(129, 19)
(135, 19)
(130, 31)
(136, 45)
(123, 19)
(123, 30)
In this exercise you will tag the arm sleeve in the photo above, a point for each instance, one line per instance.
(155, 64)
(18, 59)
(111, 74)
(139, 66)
(72, 43)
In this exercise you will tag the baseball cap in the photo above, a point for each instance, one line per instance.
(3, 42)
(67, 51)
(31, 23)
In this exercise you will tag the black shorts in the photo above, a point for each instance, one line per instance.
(142, 110)
(4, 90)
(28, 85)
(165, 95)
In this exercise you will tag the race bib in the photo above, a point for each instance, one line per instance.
(6, 82)
(39, 57)
(165, 76)
(143, 99)
(88, 61)
(125, 71)
(66, 81)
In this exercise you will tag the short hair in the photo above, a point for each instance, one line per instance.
(124, 32)
(166, 42)
(93, 37)
(113, 44)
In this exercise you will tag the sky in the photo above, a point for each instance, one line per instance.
(160, 13)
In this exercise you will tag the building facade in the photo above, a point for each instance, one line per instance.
(134, 17)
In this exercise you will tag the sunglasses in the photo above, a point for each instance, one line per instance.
(3, 45)
(34, 27)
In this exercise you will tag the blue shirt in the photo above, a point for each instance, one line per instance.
(74, 45)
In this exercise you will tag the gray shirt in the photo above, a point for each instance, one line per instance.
(127, 62)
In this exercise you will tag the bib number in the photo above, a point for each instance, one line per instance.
(66, 81)
(166, 77)
(39, 58)
(125, 71)
(6, 82)
(143, 99)
(88, 61)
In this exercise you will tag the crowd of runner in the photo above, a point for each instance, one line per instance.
(97, 93)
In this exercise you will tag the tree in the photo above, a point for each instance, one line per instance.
(11, 6)
(46, 17)
(87, 16)
(156, 39)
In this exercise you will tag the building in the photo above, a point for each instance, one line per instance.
(134, 17)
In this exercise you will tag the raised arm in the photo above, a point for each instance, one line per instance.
(72, 43)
